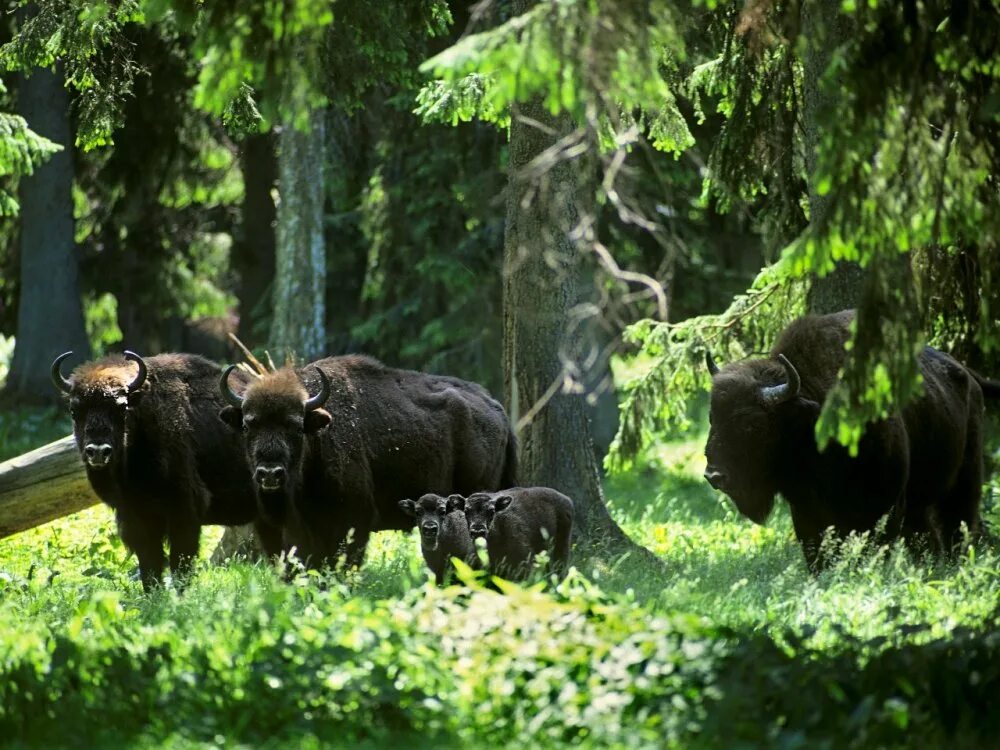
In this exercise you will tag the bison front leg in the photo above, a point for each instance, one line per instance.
(184, 539)
(145, 538)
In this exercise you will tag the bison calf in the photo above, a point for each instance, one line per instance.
(444, 533)
(518, 524)
(157, 453)
(920, 467)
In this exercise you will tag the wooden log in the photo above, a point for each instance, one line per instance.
(40, 486)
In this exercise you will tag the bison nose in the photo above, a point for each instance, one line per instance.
(269, 477)
(97, 454)
(429, 528)
(477, 529)
(715, 477)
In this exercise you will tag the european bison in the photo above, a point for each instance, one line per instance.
(518, 524)
(444, 533)
(332, 467)
(922, 467)
(155, 451)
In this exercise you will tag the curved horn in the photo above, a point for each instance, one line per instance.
(227, 392)
(713, 368)
(773, 395)
(140, 376)
(324, 392)
(63, 384)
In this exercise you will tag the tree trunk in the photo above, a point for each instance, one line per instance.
(298, 325)
(50, 312)
(254, 259)
(825, 28)
(43, 485)
(547, 279)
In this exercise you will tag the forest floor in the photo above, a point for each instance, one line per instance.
(737, 645)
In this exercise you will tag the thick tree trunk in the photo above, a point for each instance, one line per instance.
(254, 259)
(50, 312)
(547, 279)
(825, 28)
(298, 325)
(43, 485)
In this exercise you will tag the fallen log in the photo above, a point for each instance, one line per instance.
(50, 482)
(40, 486)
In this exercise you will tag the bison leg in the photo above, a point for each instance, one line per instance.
(961, 504)
(809, 533)
(145, 538)
(184, 539)
(270, 537)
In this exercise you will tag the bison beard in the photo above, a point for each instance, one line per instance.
(920, 469)
(156, 452)
(332, 467)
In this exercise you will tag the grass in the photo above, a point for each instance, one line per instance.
(736, 646)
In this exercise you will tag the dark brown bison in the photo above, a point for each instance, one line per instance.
(519, 523)
(921, 468)
(332, 467)
(444, 533)
(154, 450)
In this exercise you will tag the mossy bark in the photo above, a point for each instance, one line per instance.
(548, 280)
(50, 311)
(298, 323)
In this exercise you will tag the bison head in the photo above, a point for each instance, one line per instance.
(101, 395)
(481, 511)
(275, 415)
(430, 511)
(755, 409)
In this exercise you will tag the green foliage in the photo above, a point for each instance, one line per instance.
(91, 42)
(24, 429)
(738, 646)
(597, 61)
(21, 150)
(658, 398)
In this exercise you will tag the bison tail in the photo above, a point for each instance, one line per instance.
(991, 388)
(508, 477)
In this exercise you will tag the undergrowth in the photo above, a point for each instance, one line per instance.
(736, 646)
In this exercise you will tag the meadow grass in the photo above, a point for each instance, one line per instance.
(736, 644)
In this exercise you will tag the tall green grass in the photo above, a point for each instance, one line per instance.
(734, 645)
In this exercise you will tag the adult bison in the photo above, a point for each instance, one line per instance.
(332, 467)
(155, 451)
(921, 467)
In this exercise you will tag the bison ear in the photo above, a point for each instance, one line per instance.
(317, 419)
(502, 502)
(456, 502)
(232, 416)
(408, 507)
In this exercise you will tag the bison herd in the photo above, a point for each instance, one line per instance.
(321, 456)
(317, 457)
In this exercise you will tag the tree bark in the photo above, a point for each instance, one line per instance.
(254, 259)
(43, 485)
(825, 28)
(298, 324)
(547, 280)
(50, 311)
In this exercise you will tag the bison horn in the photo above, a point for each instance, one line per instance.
(324, 392)
(227, 392)
(140, 376)
(773, 395)
(63, 384)
(713, 369)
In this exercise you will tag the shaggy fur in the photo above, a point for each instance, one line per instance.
(921, 468)
(444, 534)
(383, 435)
(173, 467)
(519, 523)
